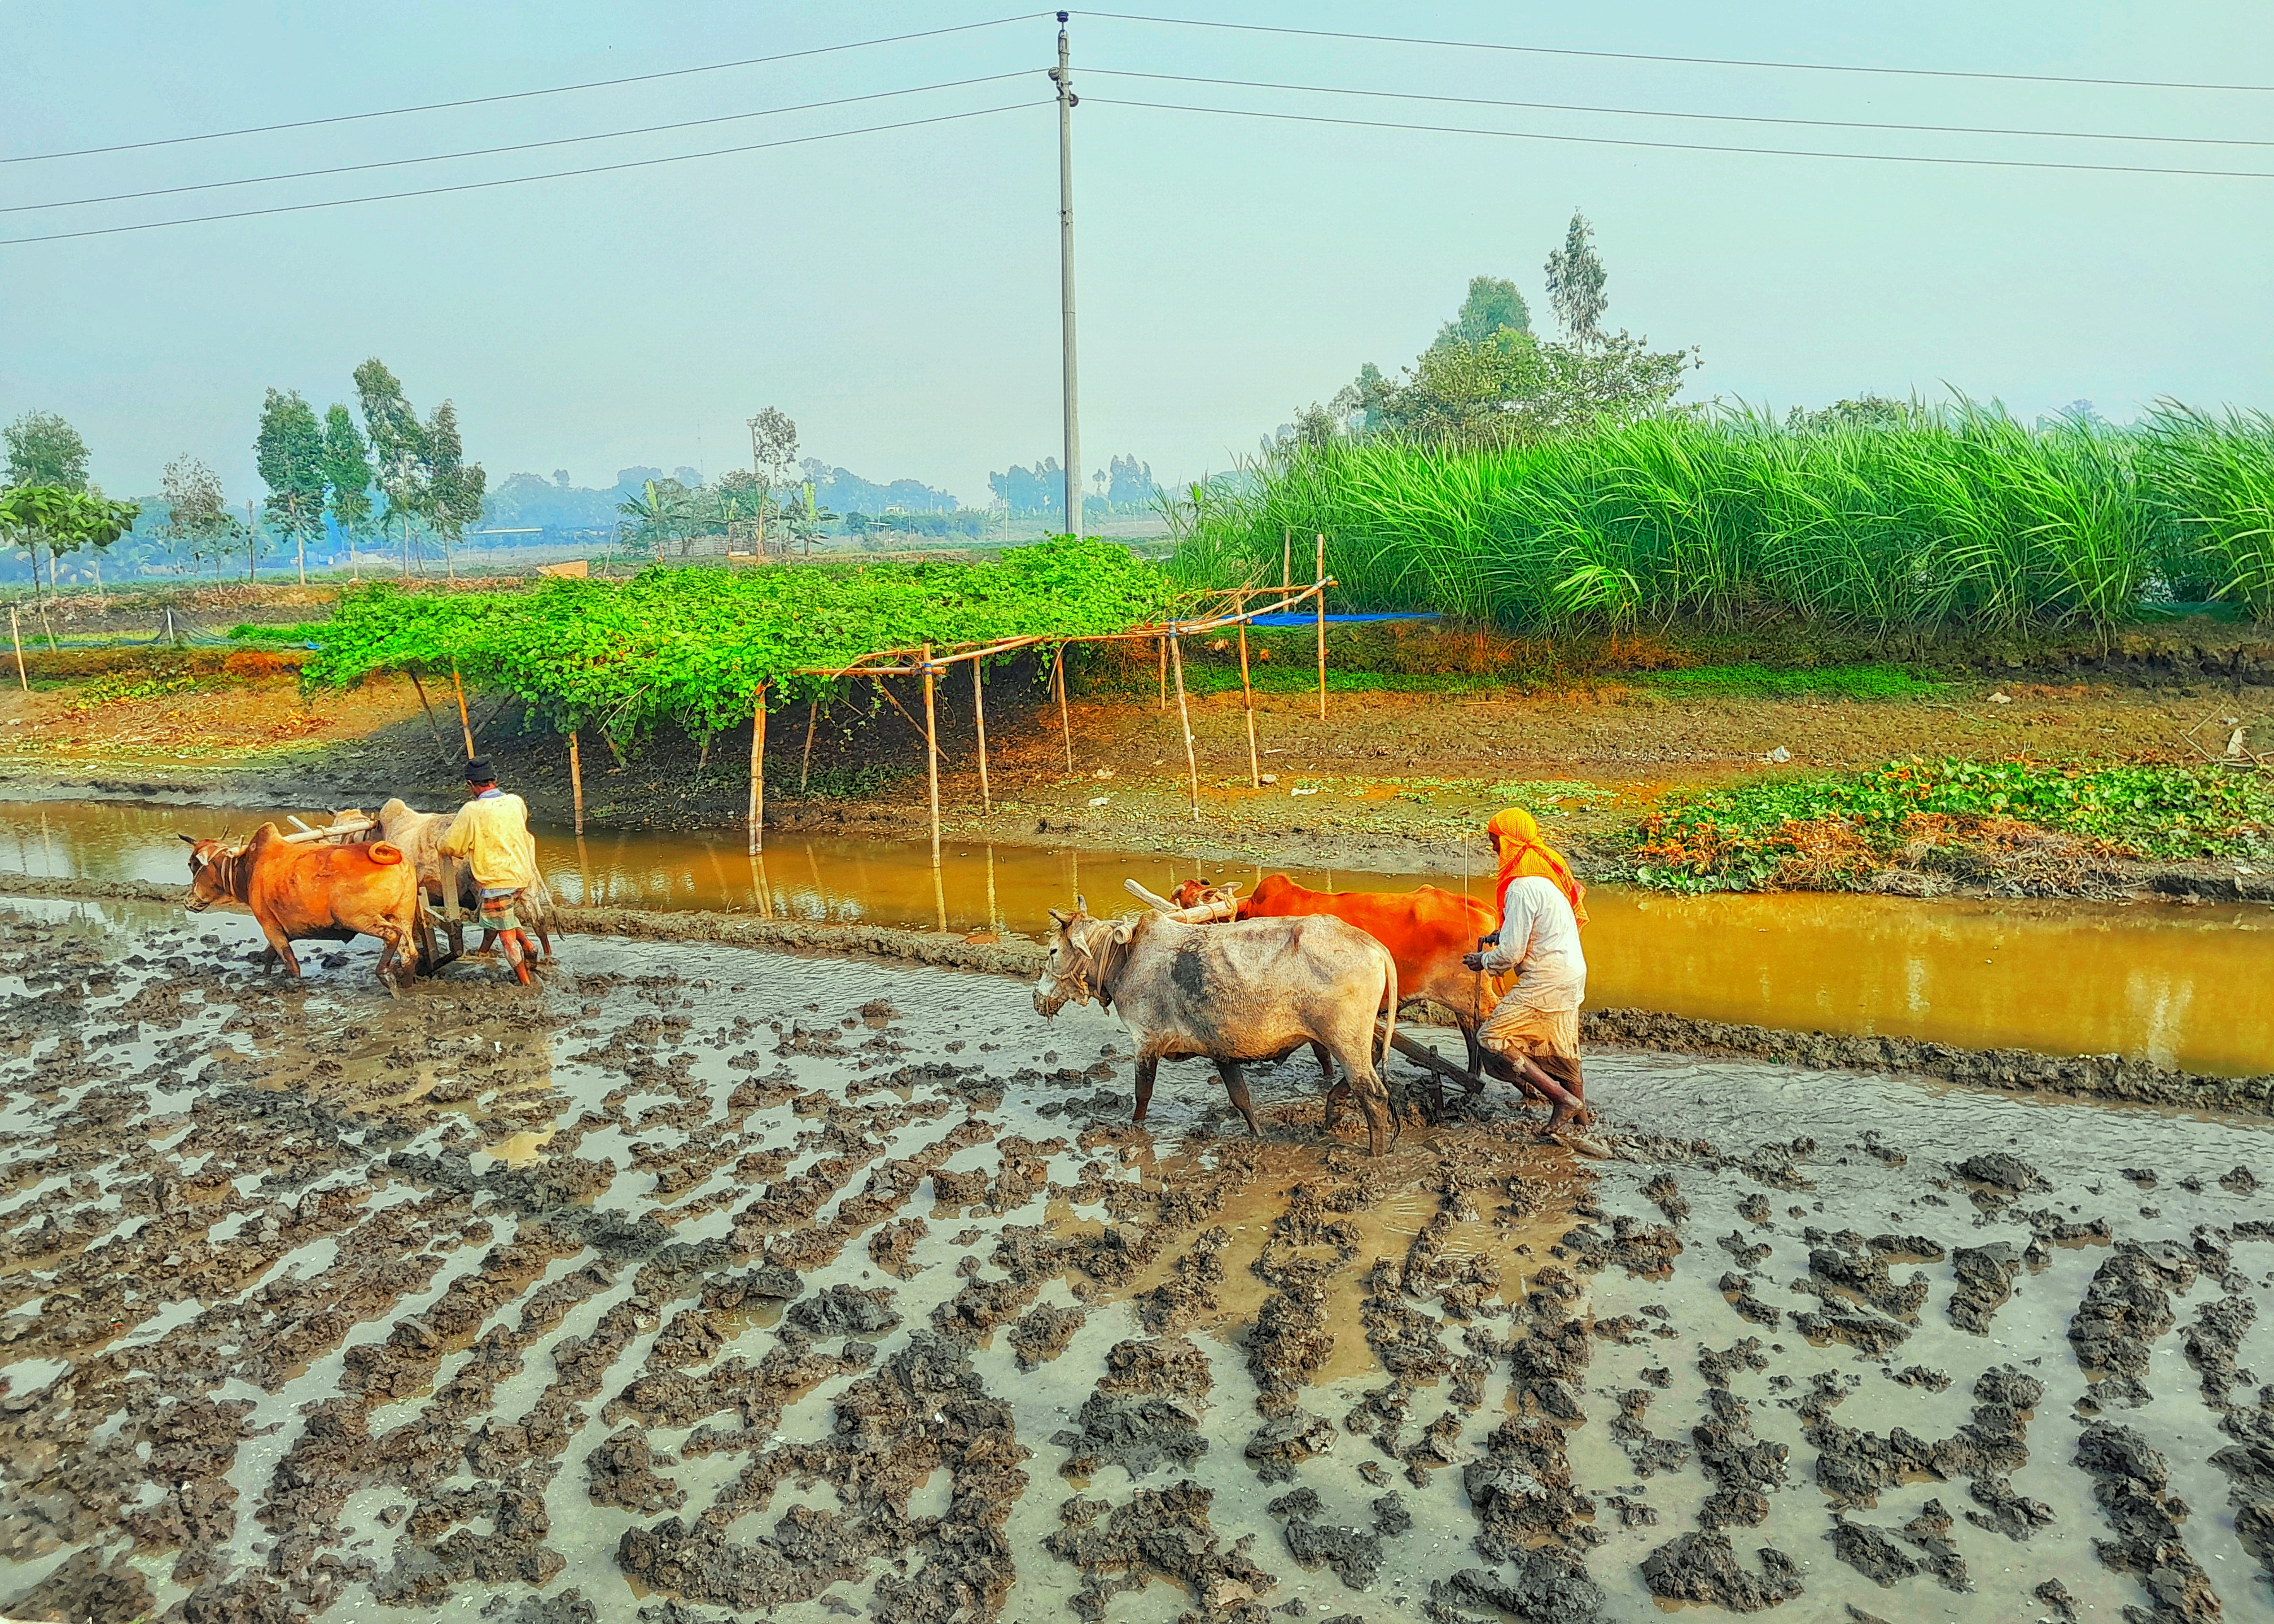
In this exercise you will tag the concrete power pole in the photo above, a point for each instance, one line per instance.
(1063, 75)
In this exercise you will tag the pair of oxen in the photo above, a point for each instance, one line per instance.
(387, 885)
(1208, 974)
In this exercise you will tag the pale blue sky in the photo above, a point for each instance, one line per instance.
(897, 293)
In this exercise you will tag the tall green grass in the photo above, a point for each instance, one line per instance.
(1965, 517)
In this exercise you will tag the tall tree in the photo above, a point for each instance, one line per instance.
(398, 446)
(347, 475)
(773, 457)
(453, 485)
(290, 453)
(1575, 282)
(43, 449)
(1493, 305)
(196, 514)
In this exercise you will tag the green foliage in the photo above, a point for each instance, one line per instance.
(1969, 520)
(43, 449)
(65, 518)
(290, 453)
(1494, 305)
(695, 645)
(346, 471)
(1575, 281)
(198, 523)
(1740, 839)
(2214, 480)
(1858, 681)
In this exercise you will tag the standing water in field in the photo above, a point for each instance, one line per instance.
(2180, 986)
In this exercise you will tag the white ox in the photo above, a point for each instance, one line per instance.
(1256, 990)
(420, 835)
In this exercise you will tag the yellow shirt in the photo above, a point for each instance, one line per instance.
(492, 833)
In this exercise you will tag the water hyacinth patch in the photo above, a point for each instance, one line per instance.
(1836, 828)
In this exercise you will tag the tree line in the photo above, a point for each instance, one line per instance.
(394, 481)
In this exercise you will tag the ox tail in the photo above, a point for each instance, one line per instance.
(1389, 1013)
(383, 852)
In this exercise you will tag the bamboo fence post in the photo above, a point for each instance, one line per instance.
(463, 721)
(931, 768)
(979, 714)
(1247, 693)
(16, 636)
(1322, 627)
(1162, 644)
(758, 771)
(1065, 725)
(1184, 718)
(576, 783)
(812, 714)
(432, 726)
(1287, 559)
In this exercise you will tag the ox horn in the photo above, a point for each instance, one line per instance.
(1160, 903)
(189, 839)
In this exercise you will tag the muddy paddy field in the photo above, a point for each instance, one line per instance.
(708, 1281)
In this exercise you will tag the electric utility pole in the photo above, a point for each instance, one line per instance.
(1063, 76)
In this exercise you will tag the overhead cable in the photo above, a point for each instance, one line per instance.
(1755, 152)
(1647, 112)
(517, 180)
(1699, 62)
(524, 95)
(488, 151)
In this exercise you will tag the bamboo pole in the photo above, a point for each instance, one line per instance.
(1065, 725)
(576, 783)
(758, 771)
(1163, 646)
(463, 721)
(812, 714)
(1247, 693)
(979, 714)
(16, 636)
(903, 709)
(1286, 558)
(931, 769)
(1185, 721)
(432, 726)
(1322, 627)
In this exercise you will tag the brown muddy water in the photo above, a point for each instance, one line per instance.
(702, 1282)
(2182, 987)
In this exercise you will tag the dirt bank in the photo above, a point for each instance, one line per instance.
(1395, 781)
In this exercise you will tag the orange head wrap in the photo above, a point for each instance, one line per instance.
(1516, 842)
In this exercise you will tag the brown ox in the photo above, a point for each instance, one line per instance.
(1427, 931)
(1232, 993)
(420, 835)
(315, 892)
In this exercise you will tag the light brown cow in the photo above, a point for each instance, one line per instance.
(317, 892)
(1253, 991)
(420, 835)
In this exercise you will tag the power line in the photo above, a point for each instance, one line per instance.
(523, 96)
(487, 152)
(1647, 112)
(1756, 152)
(517, 180)
(1699, 61)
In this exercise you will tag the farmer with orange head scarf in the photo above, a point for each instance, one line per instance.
(1532, 1037)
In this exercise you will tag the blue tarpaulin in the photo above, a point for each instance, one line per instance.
(1332, 620)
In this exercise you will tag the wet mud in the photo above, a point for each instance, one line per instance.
(715, 1279)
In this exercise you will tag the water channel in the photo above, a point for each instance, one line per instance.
(2180, 986)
